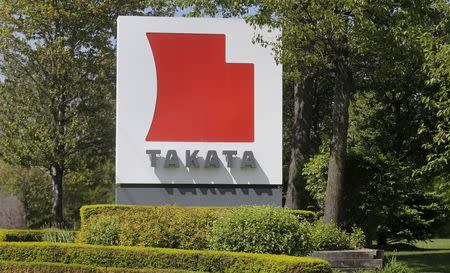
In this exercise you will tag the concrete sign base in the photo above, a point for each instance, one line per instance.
(198, 195)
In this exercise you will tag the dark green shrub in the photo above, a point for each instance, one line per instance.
(105, 230)
(139, 257)
(27, 267)
(158, 226)
(29, 235)
(261, 230)
(329, 237)
(19, 235)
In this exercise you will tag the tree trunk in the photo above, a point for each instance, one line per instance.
(301, 142)
(338, 149)
(57, 173)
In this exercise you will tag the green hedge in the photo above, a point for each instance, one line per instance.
(30, 267)
(29, 235)
(139, 257)
(154, 226)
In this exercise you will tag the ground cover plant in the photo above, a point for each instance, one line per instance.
(142, 257)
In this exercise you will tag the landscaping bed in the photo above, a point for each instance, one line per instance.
(158, 226)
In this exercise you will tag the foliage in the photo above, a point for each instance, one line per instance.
(328, 236)
(357, 238)
(436, 42)
(158, 226)
(261, 230)
(27, 267)
(399, 118)
(382, 193)
(392, 266)
(32, 187)
(105, 230)
(59, 236)
(138, 257)
(23, 235)
(316, 178)
(57, 85)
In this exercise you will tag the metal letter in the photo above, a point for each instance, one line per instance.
(172, 159)
(212, 160)
(191, 159)
(248, 160)
(229, 155)
(152, 154)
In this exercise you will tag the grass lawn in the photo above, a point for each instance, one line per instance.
(432, 256)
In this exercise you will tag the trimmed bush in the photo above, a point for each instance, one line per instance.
(27, 267)
(261, 230)
(139, 257)
(158, 226)
(329, 237)
(105, 230)
(29, 235)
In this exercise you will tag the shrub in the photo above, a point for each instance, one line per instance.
(158, 226)
(105, 230)
(329, 237)
(27, 267)
(29, 235)
(357, 238)
(139, 257)
(261, 230)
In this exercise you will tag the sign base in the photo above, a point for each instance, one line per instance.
(198, 195)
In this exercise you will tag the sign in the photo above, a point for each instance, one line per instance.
(197, 103)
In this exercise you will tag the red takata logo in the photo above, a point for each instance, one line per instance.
(200, 97)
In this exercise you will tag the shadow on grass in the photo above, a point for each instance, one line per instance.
(436, 261)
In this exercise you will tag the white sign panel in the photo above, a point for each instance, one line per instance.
(197, 103)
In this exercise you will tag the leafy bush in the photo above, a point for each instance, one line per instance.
(261, 230)
(105, 230)
(138, 257)
(357, 238)
(157, 226)
(26, 267)
(329, 237)
(30, 235)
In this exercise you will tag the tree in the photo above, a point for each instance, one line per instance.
(383, 191)
(57, 93)
(312, 49)
(436, 42)
(32, 187)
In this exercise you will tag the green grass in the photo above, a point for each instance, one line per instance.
(431, 256)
